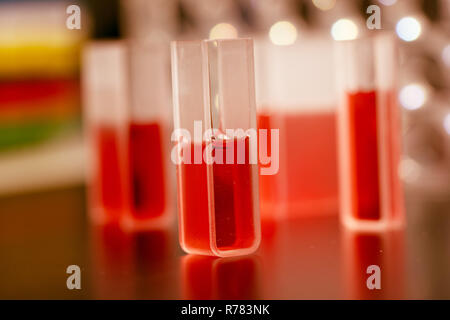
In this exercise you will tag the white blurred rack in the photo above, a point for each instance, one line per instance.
(56, 163)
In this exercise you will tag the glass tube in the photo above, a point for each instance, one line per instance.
(213, 86)
(105, 119)
(369, 133)
(149, 203)
(296, 95)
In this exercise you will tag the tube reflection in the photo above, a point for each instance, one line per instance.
(206, 277)
(124, 264)
(383, 249)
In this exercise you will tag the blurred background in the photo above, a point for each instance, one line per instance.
(40, 121)
(42, 161)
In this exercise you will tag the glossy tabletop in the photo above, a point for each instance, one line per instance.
(42, 234)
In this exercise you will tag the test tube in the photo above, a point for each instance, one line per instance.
(296, 96)
(369, 133)
(105, 118)
(214, 102)
(148, 131)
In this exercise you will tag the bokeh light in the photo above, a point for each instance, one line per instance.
(447, 123)
(413, 96)
(324, 4)
(446, 55)
(387, 2)
(409, 170)
(283, 33)
(223, 31)
(408, 29)
(344, 29)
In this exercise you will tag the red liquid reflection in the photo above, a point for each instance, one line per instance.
(112, 263)
(233, 200)
(146, 171)
(306, 183)
(363, 128)
(207, 278)
(124, 264)
(385, 250)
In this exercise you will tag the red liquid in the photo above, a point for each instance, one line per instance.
(233, 202)
(146, 171)
(363, 128)
(108, 184)
(269, 191)
(306, 182)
